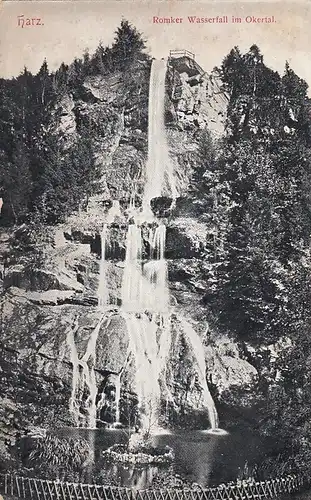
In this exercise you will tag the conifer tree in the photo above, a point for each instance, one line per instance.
(128, 43)
(16, 184)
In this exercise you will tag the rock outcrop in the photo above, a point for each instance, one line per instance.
(52, 290)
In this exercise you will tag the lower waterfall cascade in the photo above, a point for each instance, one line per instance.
(145, 299)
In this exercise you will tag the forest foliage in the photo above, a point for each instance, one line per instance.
(253, 191)
(42, 178)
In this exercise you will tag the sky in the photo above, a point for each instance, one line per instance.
(70, 27)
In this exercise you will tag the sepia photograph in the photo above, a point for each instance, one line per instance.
(155, 250)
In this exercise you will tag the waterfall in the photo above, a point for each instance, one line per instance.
(158, 242)
(143, 346)
(195, 344)
(145, 300)
(88, 363)
(145, 285)
(155, 272)
(159, 165)
(145, 308)
(74, 406)
(84, 386)
(102, 290)
(118, 396)
(114, 211)
(135, 294)
(132, 278)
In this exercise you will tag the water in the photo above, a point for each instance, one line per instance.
(195, 343)
(118, 396)
(159, 165)
(114, 212)
(132, 283)
(145, 288)
(155, 271)
(202, 459)
(74, 405)
(82, 403)
(144, 351)
(102, 291)
(144, 307)
(144, 285)
(145, 298)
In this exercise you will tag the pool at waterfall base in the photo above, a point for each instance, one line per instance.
(200, 458)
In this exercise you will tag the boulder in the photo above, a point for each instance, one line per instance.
(36, 279)
(186, 238)
(229, 371)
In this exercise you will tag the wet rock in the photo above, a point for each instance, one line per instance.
(50, 297)
(230, 371)
(84, 237)
(113, 345)
(35, 279)
(186, 238)
(115, 242)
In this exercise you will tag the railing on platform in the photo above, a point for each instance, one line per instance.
(43, 489)
(181, 53)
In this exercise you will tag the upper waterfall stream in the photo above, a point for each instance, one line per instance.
(159, 169)
(145, 301)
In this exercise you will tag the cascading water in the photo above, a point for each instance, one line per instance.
(84, 387)
(132, 279)
(151, 343)
(102, 290)
(74, 405)
(195, 343)
(115, 211)
(150, 336)
(117, 398)
(145, 296)
(159, 165)
(155, 272)
(145, 291)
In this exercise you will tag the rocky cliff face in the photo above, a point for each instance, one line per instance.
(50, 277)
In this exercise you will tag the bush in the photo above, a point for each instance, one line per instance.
(52, 454)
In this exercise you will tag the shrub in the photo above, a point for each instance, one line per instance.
(54, 453)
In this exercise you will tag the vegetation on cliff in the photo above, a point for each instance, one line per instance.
(254, 193)
(43, 176)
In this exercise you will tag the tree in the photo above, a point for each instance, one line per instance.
(43, 80)
(76, 73)
(262, 175)
(293, 87)
(128, 43)
(244, 293)
(65, 179)
(61, 79)
(230, 70)
(16, 184)
(59, 178)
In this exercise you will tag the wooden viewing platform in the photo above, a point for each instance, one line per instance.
(184, 61)
(181, 53)
(43, 489)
